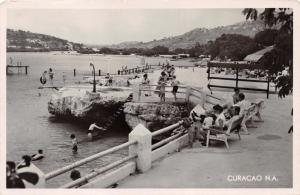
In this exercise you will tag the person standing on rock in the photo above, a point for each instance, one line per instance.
(51, 75)
(92, 128)
(175, 84)
(146, 83)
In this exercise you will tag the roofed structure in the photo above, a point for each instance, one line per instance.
(255, 57)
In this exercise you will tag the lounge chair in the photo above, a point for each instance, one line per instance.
(250, 112)
(248, 116)
(259, 106)
(216, 134)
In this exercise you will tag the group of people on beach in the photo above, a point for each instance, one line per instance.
(218, 117)
(167, 76)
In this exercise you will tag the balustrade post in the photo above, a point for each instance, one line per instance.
(136, 93)
(203, 98)
(143, 147)
(187, 94)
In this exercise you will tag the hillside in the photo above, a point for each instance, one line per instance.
(19, 40)
(201, 35)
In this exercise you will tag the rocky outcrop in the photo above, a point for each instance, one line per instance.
(82, 104)
(153, 115)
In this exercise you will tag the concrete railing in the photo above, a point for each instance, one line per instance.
(141, 155)
(182, 89)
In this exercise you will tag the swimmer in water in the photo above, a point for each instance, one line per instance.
(38, 156)
(92, 128)
(25, 163)
(74, 143)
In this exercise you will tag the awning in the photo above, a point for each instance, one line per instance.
(258, 55)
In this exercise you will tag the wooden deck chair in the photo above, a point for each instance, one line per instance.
(248, 116)
(215, 134)
(259, 106)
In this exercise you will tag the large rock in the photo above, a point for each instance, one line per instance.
(154, 116)
(81, 103)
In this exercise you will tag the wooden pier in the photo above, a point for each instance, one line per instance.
(18, 67)
(134, 70)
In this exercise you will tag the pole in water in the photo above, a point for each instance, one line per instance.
(99, 72)
(74, 72)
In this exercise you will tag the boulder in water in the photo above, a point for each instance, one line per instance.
(82, 104)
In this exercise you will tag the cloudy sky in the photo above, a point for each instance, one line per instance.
(103, 26)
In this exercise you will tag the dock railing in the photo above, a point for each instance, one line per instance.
(135, 70)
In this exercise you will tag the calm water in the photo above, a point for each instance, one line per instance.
(29, 125)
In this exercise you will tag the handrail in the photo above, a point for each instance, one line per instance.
(197, 96)
(88, 159)
(166, 129)
(197, 90)
(214, 97)
(97, 172)
(180, 86)
(164, 141)
(159, 91)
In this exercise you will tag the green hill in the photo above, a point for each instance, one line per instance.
(19, 40)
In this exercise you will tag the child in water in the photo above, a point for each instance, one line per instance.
(74, 143)
(64, 77)
(38, 156)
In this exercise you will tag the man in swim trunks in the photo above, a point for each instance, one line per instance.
(51, 75)
(92, 128)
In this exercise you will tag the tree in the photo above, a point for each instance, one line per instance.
(282, 54)
(232, 46)
(266, 37)
(158, 50)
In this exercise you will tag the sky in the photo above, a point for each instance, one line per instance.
(112, 26)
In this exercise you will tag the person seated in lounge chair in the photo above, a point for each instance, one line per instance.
(223, 117)
(235, 96)
(243, 104)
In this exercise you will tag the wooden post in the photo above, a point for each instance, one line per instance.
(237, 78)
(74, 72)
(26, 69)
(208, 74)
(99, 72)
(268, 88)
(140, 93)
(187, 94)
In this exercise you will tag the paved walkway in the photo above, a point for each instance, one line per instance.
(265, 156)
